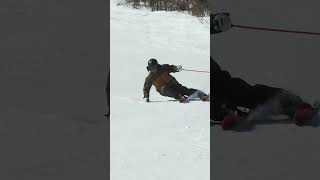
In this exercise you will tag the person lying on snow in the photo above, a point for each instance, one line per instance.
(166, 84)
(229, 93)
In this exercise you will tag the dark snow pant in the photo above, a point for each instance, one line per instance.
(177, 91)
(230, 93)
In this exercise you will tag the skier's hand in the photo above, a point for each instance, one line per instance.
(178, 68)
(146, 99)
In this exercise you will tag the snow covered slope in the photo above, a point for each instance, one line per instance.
(161, 139)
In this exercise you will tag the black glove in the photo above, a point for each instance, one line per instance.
(178, 68)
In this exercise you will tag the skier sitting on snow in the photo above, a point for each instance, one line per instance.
(166, 84)
(230, 92)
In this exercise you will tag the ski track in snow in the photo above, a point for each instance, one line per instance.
(163, 139)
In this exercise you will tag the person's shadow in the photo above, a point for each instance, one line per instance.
(250, 124)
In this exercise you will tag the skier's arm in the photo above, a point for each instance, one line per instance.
(172, 68)
(146, 88)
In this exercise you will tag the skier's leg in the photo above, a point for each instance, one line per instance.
(262, 94)
(184, 90)
(189, 91)
(296, 108)
(171, 91)
(178, 91)
(236, 92)
(289, 103)
(274, 101)
(228, 92)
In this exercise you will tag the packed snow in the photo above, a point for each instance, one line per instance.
(162, 139)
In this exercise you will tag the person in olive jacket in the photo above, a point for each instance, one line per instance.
(165, 84)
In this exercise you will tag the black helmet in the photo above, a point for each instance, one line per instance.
(152, 64)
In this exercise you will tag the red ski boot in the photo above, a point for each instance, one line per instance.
(230, 121)
(303, 114)
(204, 98)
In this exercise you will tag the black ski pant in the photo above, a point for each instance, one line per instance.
(177, 91)
(230, 93)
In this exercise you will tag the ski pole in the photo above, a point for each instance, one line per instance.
(275, 30)
(195, 70)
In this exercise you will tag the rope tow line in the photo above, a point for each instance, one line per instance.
(275, 30)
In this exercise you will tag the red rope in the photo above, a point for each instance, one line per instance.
(195, 70)
(276, 30)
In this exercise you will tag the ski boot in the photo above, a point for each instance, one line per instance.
(304, 113)
(183, 99)
(229, 121)
(204, 98)
(231, 118)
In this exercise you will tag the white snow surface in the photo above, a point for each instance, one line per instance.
(162, 139)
